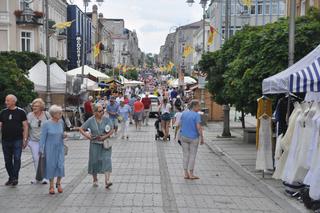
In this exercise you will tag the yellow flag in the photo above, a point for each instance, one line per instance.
(62, 25)
(247, 2)
(188, 49)
(170, 66)
(124, 69)
(212, 34)
(96, 50)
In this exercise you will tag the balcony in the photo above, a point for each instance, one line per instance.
(28, 17)
(62, 34)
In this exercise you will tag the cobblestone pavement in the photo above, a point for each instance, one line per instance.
(147, 177)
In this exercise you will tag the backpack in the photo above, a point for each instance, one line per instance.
(177, 103)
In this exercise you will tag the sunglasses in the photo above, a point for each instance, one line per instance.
(39, 123)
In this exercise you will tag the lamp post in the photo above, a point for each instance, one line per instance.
(292, 31)
(84, 34)
(203, 4)
(48, 95)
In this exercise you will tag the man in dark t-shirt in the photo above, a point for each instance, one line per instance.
(14, 127)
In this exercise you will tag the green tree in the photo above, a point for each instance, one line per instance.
(13, 81)
(131, 74)
(236, 71)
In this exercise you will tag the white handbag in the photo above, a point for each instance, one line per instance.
(107, 143)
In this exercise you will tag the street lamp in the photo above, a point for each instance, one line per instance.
(84, 34)
(203, 4)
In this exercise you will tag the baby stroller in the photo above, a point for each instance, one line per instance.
(159, 134)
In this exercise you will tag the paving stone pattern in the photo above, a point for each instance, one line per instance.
(147, 177)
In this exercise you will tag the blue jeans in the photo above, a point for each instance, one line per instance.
(12, 150)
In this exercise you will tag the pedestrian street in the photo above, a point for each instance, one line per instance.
(147, 177)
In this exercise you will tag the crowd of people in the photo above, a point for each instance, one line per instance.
(104, 116)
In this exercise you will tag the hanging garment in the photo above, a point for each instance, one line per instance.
(315, 182)
(279, 150)
(299, 169)
(293, 147)
(264, 107)
(313, 151)
(285, 143)
(264, 153)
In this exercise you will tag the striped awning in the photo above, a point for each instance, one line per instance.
(307, 79)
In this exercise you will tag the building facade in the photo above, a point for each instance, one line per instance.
(76, 39)
(261, 12)
(22, 29)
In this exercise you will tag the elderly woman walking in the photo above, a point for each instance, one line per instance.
(52, 147)
(99, 157)
(190, 135)
(36, 119)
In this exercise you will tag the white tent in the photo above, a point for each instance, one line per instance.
(89, 85)
(281, 83)
(38, 75)
(187, 81)
(87, 70)
(129, 83)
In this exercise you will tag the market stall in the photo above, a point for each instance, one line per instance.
(297, 154)
(58, 81)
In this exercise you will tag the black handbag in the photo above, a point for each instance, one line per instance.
(41, 168)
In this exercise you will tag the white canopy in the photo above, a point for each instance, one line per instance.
(280, 83)
(38, 75)
(129, 83)
(187, 81)
(87, 70)
(89, 85)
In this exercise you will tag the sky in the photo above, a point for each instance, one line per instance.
(152, 19)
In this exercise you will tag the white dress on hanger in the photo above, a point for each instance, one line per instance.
(313, 151)
(300, 169)
(285, 143)
(293, 149)
(264, 153)
(315, 181)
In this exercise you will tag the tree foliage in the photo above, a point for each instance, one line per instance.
(13, 81)
(236, 71)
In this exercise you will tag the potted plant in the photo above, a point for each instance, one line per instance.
(38, 14)
(18, 13)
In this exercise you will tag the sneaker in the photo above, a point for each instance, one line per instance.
(15, 182)
(127, 137)
(44, 181)
(8, 183)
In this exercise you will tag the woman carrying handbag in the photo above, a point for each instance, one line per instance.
(100, 144)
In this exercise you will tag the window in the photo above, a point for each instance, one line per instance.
(4, 5)
(267, 12)
(275, 9)
(253, 9)
(26, 41)
(282, 8)
(260, 5)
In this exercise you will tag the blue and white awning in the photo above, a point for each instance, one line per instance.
(303, 76)
(307, 79)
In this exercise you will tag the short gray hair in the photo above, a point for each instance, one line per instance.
(54, 109)
(15, 99)
(96, 106)
(193, 103)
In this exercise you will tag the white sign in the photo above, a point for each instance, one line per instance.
(78, 50)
